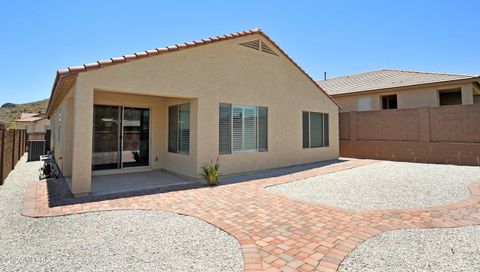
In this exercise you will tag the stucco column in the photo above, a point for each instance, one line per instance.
(467, 94)
(82, 141)
(67, 156)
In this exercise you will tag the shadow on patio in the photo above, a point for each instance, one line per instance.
(116, 186)
(106, 187)
(270, 173)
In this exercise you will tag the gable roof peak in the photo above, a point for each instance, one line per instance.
(73, 70)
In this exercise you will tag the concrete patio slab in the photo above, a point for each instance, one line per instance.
(145, 180)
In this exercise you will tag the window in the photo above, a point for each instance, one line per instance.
(364, 103)
(450, 97)
(242, 128)
(179, 129)
(315, 129)
(389, 102)
(476, 94)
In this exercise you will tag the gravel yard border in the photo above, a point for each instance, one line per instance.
(385, 185)
(122, 240)
(438, 249)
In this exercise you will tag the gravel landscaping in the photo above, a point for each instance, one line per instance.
(107, 241)
(385, 185)
(456, 249)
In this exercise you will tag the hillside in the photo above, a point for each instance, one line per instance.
(9, 111)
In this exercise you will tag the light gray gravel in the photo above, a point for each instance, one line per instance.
(385, 185)
(107, 241)
(456, 249)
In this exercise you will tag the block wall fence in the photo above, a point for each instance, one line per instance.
(447, 134)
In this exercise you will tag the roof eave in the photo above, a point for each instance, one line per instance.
(74, 70)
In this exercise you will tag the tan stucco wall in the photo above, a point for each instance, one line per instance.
(206, 76)
(29, 126)
(33, 127)
(406, 98)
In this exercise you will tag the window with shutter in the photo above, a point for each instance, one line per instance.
(262, 129)
(242, 128)
(225, 128)
(315, 129)
(179, 129)
(184, 128)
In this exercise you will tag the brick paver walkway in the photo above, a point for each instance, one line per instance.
(277, 233)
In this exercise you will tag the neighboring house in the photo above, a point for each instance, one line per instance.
(236, 97)
(392, 89)
(33, 122)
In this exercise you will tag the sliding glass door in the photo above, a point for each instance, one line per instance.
(121, 137)
(136, 137)
(106, 137)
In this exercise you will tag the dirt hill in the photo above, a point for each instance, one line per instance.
(10, 111)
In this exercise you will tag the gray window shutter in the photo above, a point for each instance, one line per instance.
(184, 128)
(225, 128)
(262, 129)
(326, 130)
(316, 129)
(172, 128)
(306, 129)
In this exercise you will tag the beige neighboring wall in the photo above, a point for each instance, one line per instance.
(412, 97)
(222, 72)
(33, 126)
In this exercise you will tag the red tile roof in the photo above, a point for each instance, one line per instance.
(73, 70)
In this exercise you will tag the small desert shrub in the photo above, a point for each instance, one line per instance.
(211, 173)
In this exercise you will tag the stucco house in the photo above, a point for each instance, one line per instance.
(392, 89)
(33, 122)
(237, 97)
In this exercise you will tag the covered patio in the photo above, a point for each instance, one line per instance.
(141, 181)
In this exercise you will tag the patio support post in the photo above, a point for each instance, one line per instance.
(82, 140)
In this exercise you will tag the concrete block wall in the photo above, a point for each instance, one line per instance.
(449, 134)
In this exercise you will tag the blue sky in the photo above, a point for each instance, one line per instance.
(339, 37)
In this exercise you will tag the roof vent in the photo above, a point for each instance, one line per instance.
(267, 49)
(260, 46)
(252, 44)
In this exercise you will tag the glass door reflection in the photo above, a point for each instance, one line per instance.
(136, 137)
(106, 137)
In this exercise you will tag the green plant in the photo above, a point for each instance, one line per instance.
(211, 173)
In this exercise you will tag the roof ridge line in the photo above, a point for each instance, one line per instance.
(433, 73)
(350, 75)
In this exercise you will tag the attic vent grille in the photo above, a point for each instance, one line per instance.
(268, 50)
(252, 44)
(260, 46)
